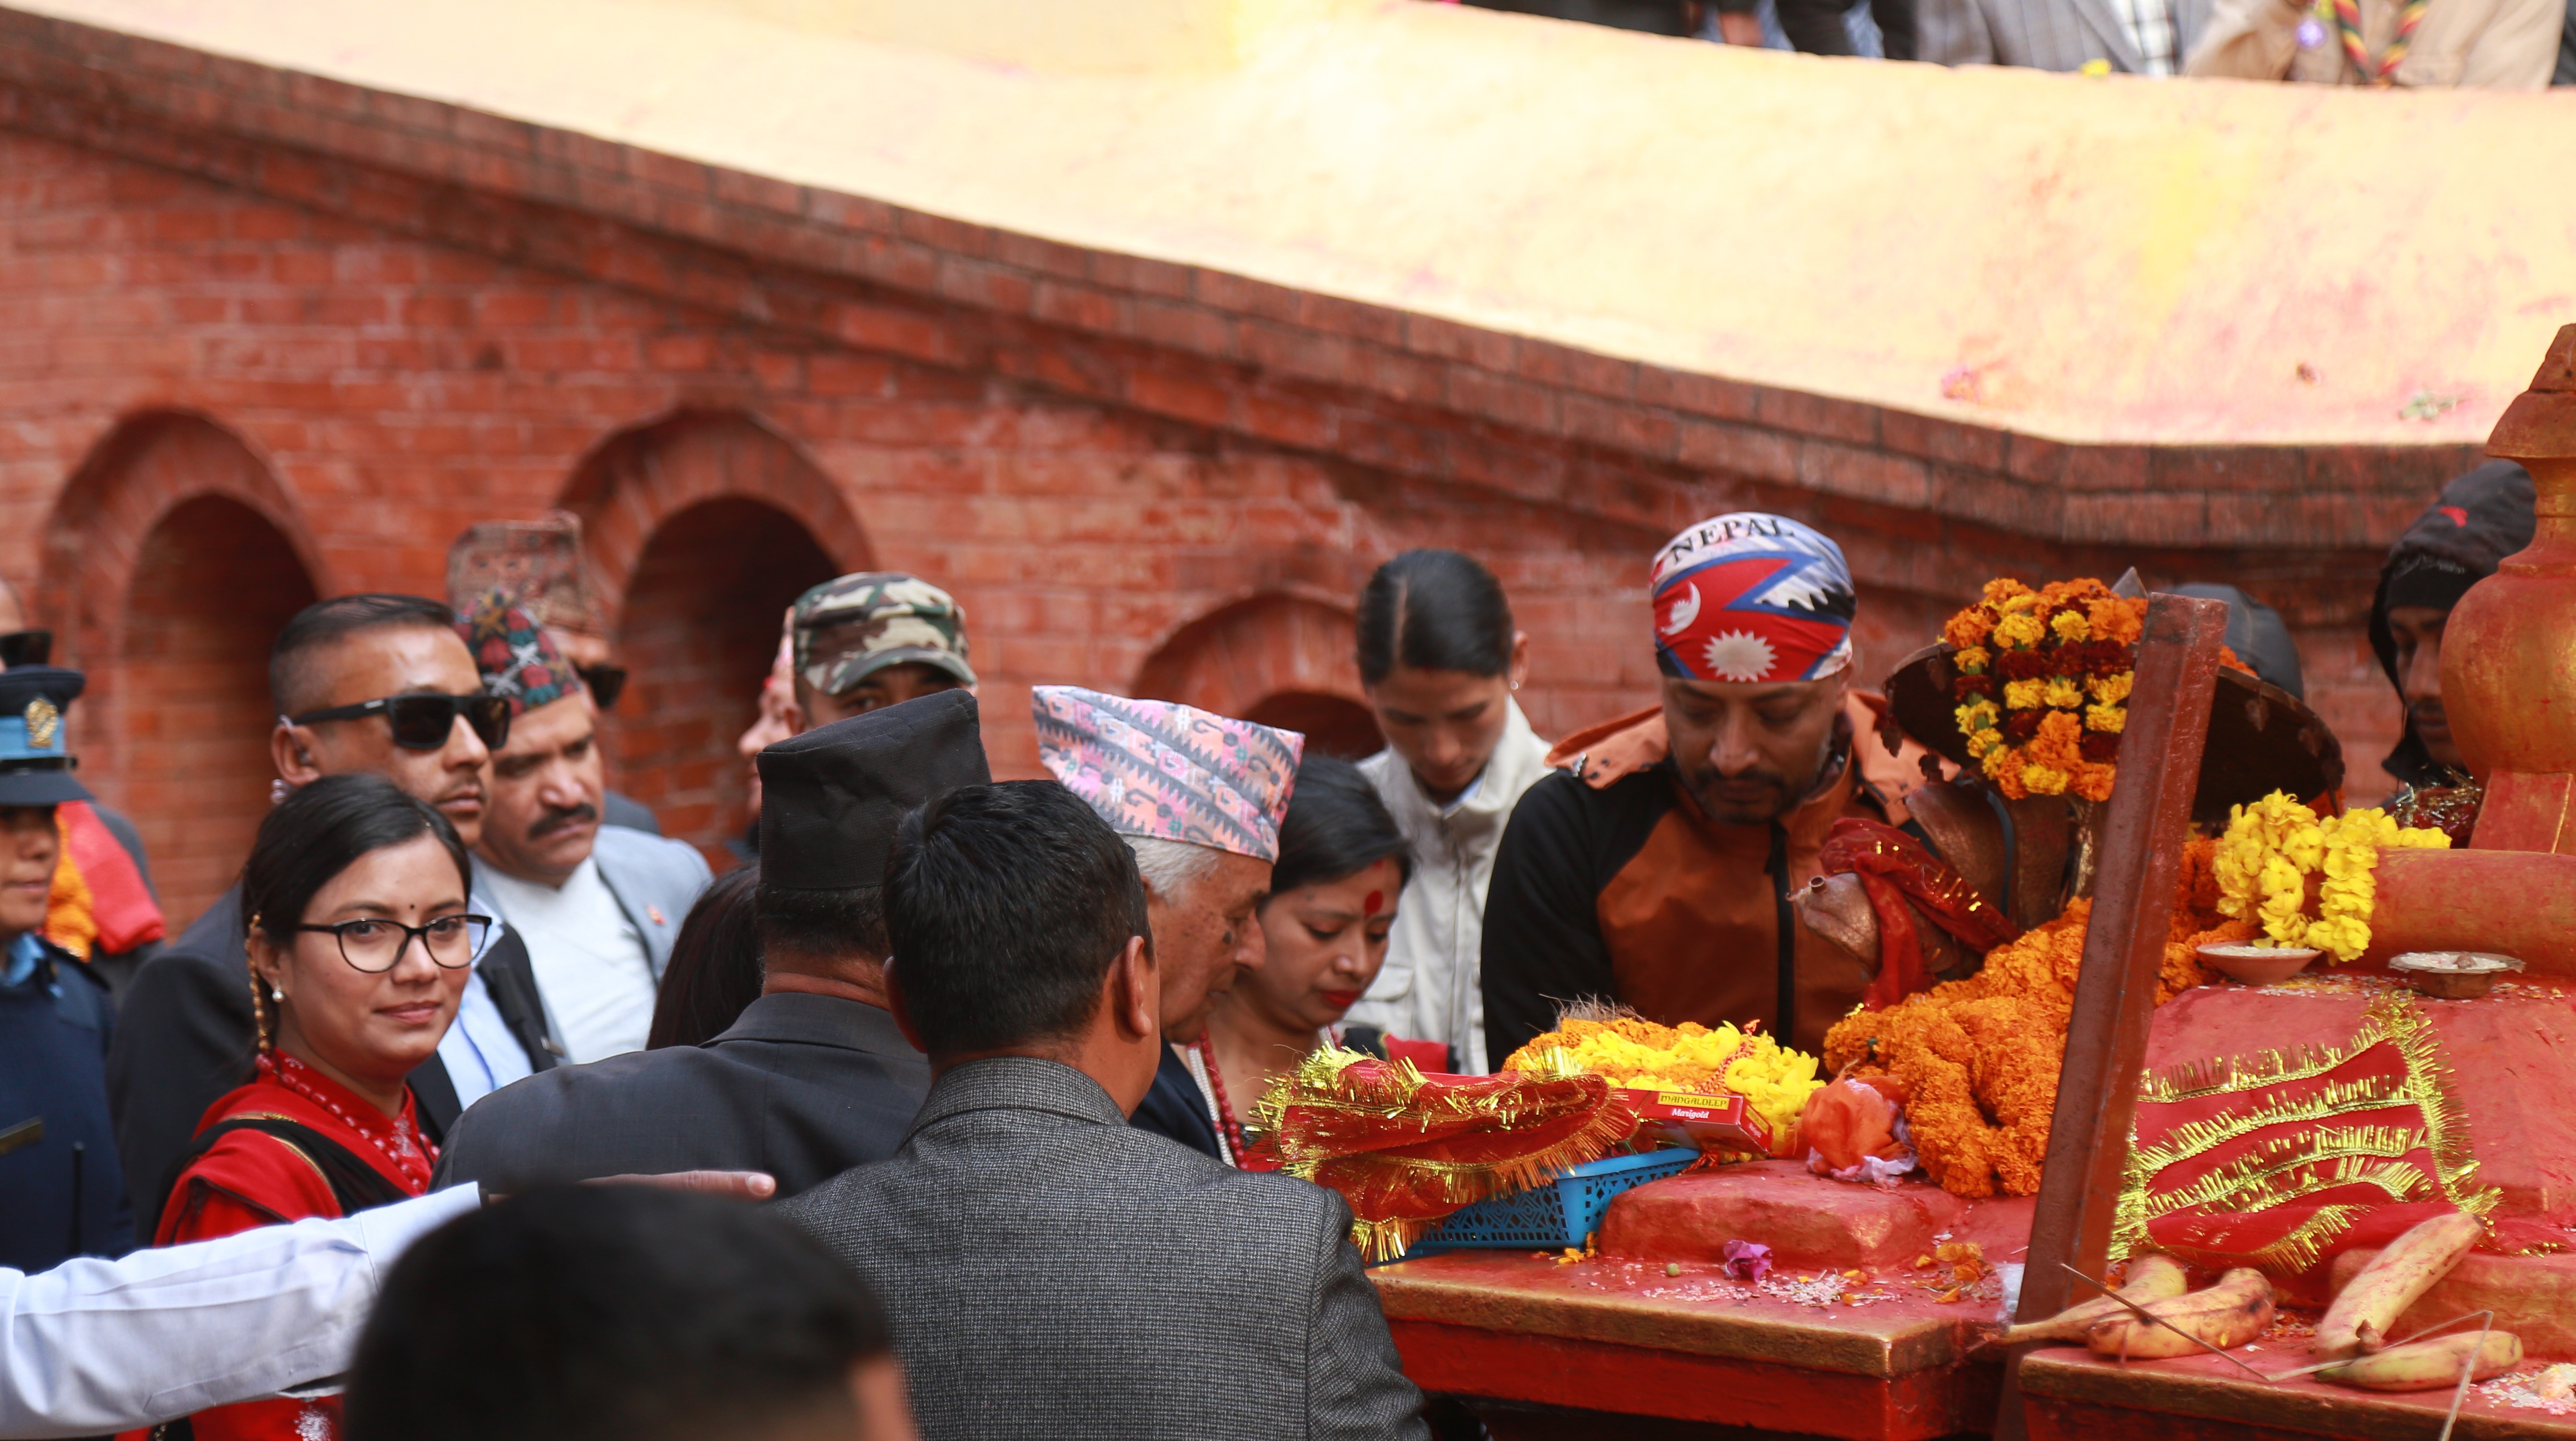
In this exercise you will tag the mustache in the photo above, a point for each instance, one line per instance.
(558, 818)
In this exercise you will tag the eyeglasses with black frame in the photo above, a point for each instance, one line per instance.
(423, 720)
(606, 682)
(374, 945)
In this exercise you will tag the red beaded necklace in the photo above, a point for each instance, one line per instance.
(1224, 1107)
(393, 1137)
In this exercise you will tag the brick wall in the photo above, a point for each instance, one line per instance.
(213, 583)
(371, 321)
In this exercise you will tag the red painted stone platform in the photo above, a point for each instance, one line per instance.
(1617, 1334)
(2074, 1395)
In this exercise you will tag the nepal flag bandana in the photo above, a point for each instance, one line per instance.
(1752, 598)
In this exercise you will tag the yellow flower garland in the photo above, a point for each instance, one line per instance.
(2273, 846)
(1629, 1051)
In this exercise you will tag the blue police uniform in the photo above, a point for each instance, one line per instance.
(62, 1191)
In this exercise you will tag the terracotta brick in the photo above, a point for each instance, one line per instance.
(1740, 450)
(1621, 426)
(1820, 415)
(1700, 395)
(1568, 368)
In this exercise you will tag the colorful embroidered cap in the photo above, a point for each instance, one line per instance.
(516, 656)
(536, 563)
(35, 749)
(1750, 597)
(850, 628)
(1169, 771)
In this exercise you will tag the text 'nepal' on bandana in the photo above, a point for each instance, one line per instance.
(516, 656)
(1750, 597)
(1169, 771)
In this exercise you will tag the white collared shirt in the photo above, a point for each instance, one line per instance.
(95, 1346)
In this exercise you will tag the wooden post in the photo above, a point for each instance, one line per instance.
(2146, 822)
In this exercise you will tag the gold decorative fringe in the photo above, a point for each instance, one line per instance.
(2284, 1169)
(1396, 1093)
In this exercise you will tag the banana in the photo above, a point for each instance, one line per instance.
(2428, 1365)
(2395, 1279)
(2230, 1313)
(2153, 1276)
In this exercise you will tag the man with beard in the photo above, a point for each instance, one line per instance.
(1654, 869)
(2481, 518)
(1199, 798)
(374, 683)
(598, 905)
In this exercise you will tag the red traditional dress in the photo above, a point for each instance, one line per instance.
(249, 1178)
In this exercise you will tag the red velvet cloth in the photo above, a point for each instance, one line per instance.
(1895, 868)
(247, 1179)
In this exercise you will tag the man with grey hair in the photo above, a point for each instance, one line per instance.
(1199, 798)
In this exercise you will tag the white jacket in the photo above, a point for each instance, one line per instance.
(1430, 989)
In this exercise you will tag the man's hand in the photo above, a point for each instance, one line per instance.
(740, 1185)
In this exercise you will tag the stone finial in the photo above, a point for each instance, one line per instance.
(2541, 422)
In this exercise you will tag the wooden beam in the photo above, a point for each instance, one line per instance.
(2147, 820)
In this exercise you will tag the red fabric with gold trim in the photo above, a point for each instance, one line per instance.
(1895, 868)
(1405, 1150)
(2285, 1159)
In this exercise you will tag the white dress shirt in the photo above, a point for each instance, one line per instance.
(591, 963)
(95, 1346)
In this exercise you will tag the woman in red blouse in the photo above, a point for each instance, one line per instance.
(360, 944)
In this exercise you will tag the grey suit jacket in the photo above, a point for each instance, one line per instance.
(2040, 34)
(803, 1087)
(1053, 1272)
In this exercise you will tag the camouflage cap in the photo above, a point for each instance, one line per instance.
(850, 628)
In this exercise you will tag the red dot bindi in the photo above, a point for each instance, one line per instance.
(1376, 902)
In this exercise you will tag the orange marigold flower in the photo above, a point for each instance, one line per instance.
(2114, 618)
(2002, 588)
(1969, 628)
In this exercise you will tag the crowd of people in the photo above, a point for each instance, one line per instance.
(993, 1048)
(2472, 44)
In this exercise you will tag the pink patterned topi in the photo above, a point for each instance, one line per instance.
(1173, 772)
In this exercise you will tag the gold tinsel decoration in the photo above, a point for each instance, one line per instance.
(2325, 1153)
(1406, 1151)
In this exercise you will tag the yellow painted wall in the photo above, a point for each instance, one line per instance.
(2162, 261)
(1098, 36)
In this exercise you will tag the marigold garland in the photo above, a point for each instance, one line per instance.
(2273, 846)
(2044, 679)
(1631, 1051)
(1980, 1056)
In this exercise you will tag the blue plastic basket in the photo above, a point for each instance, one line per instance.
(1558, 1214)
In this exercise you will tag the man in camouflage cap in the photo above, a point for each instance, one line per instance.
(867, 641)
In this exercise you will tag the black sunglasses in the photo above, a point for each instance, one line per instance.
(26, 647)
(606, 682)
(423, 720)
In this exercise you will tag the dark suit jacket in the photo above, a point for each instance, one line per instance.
(184, 1037)
(803, 1087)
(1174, 1107)
(1052, 1271)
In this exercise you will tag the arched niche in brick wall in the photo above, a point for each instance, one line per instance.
(172, 558)
(1281, 658)
(701, 528)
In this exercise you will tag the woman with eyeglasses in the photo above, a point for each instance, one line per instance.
(360, 941)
